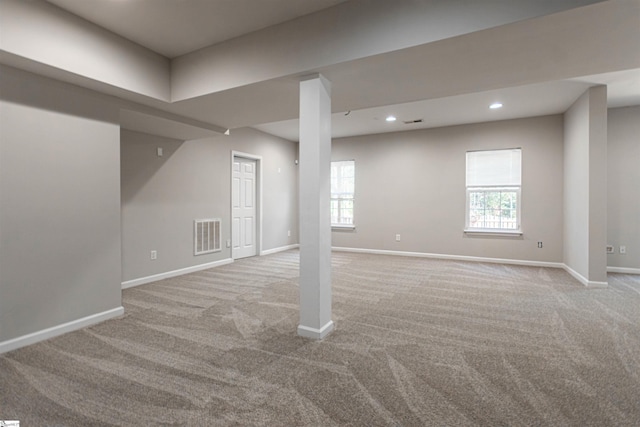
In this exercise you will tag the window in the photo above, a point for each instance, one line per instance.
(342, 189)
(493, 190)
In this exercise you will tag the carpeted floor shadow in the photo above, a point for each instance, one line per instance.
(418, 342)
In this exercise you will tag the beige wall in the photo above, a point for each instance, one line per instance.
(413, 184)
(624, 186)
(161, 196)
(59, 205)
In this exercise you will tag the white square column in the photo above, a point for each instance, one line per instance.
(585, 188)
(315, 217)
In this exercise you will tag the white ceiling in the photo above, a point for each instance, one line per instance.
(524, 101)
(518, 102)
(176, 27)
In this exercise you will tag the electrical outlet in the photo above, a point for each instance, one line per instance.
(397, 237)
(228, 243)
(623, 249)
(540, 244)
(289, 233)
(159, 151)
(154, 255)
(610, 249)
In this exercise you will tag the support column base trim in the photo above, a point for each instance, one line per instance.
(316, 334)
(586, 282)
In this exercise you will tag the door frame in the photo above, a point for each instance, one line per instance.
(258, 160)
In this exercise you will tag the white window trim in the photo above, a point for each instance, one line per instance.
(493, 232)
(343, 226)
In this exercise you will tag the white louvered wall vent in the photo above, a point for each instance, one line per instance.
(207, 236)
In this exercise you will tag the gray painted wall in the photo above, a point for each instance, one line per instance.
(413, 184)
(60, 228)
(49, 35)
(59, 204)
(161, 196)
(623, 182)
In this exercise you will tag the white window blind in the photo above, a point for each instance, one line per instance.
(494, 168)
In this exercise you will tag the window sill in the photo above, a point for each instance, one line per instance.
(342, 227)
(500, 233)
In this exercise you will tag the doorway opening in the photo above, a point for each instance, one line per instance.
(246, 206)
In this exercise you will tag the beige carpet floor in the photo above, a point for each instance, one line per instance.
(418, 342)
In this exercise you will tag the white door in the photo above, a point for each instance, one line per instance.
(244, 222)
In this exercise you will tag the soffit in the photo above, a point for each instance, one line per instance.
(175, 27)
(273, 100)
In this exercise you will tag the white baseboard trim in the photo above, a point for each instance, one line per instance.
(453, 257)
(580, 278)
(280, 249)
(55, 331)
(316, 334)
(624, 270)
(174, 273)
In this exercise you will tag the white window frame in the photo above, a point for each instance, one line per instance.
(470, 229)
(342, 198)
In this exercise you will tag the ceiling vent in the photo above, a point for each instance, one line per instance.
(411, 122)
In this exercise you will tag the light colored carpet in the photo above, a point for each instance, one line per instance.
(418, 342)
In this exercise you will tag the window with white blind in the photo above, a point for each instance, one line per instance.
(493, 191)
(342, 193)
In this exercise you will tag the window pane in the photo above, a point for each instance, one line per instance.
(476, 218)
(334, 211)
(492, 200)
(346, 212)
(476, 200)
(508, 199)
(493, 209)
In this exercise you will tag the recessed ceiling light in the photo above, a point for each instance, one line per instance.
(391, 118)
(495, 105)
